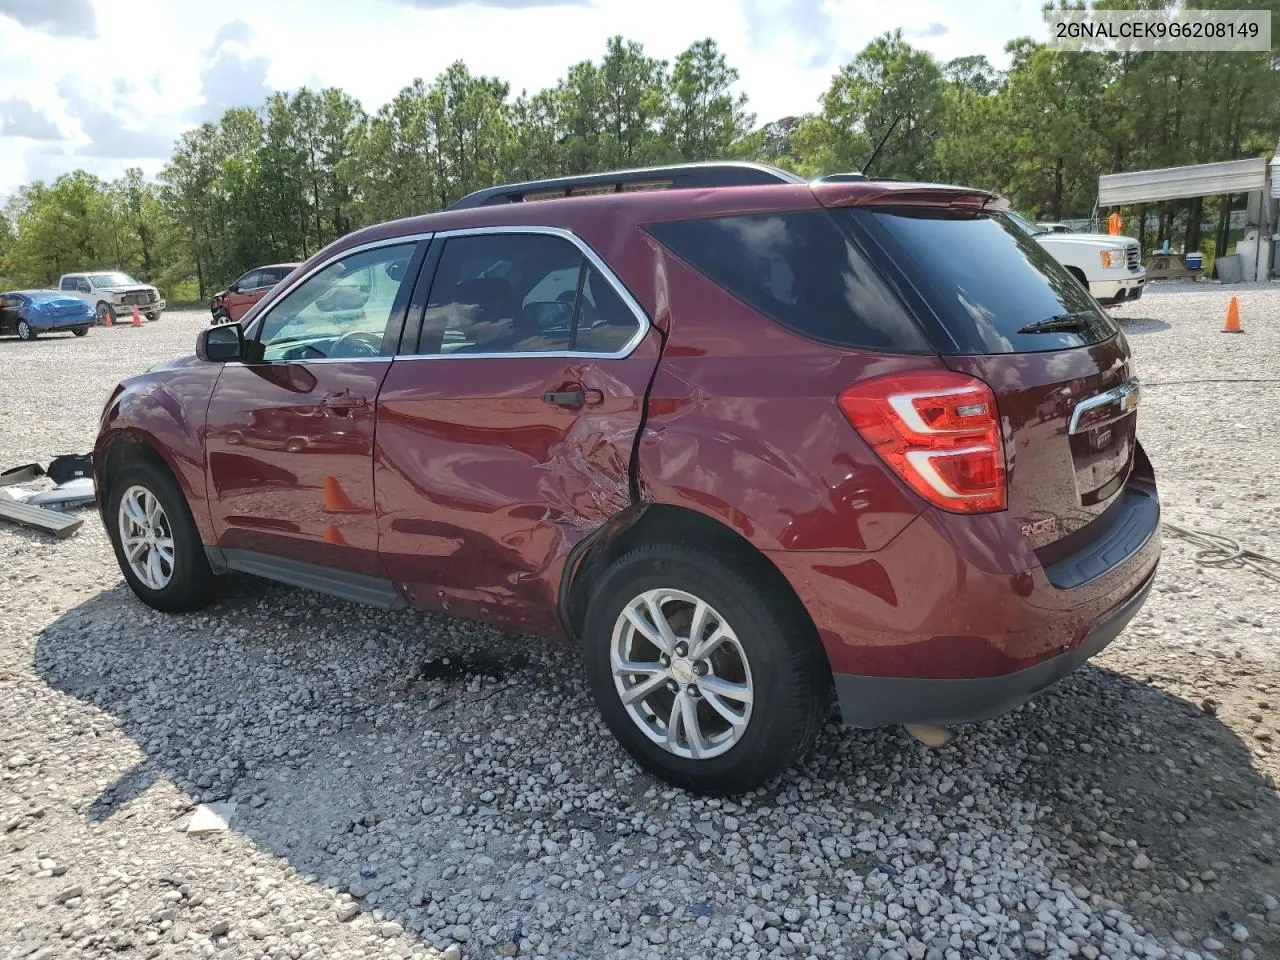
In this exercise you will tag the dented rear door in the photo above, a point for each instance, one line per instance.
(493, 459)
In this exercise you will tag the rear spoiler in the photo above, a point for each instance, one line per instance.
(884, 193)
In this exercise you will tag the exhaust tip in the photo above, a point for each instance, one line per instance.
(931, 735)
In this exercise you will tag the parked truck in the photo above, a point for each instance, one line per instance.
(1110, 267)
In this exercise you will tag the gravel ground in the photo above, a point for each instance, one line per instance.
(390, 806)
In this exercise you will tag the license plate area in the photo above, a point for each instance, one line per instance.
(1102, 434)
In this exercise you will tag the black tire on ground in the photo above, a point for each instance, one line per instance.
(153, 316)
(105, 311)
(26, 331)
(191, 583)
(791, 679)
(80, 331)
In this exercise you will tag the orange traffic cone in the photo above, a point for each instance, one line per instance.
(106, 318)
(335, 501)
(137, 317)
(1233, 318)
(334, 536)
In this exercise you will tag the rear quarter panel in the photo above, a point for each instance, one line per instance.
(744, 425)
(165, 408)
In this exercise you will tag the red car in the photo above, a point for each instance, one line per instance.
(229, 305)
(743, 438)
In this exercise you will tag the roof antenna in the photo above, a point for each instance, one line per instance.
(880, 146)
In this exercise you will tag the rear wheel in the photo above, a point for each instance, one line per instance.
(707, 675)
(105, 312)
(26, 331)
(80, 331)
(155, 538)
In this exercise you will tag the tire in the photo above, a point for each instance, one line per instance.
(105, 312)
(80, 331)
(785, 670)
(26, 331)
(189, 584)
(153, 317)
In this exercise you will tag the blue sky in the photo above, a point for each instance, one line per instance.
(106, 84)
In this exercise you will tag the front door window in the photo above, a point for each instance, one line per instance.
(340, 312)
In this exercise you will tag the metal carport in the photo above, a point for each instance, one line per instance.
(1249, 177)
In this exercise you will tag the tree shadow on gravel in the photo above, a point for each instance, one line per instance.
(441, 795)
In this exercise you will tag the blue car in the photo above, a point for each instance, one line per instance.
(29, 313)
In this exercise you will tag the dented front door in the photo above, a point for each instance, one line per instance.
(489, 470)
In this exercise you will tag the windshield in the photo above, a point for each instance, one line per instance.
(1027, 227)
(99, 280)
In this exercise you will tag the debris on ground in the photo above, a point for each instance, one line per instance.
(50, 521)
(212, 817)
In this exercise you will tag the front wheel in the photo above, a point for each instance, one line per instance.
(106, 313)
(80, 331)
(153, 316)
(155, 538)
(26, 331)
(710, 677)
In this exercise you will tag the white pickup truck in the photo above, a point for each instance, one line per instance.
(112, 294)
(1109, 267)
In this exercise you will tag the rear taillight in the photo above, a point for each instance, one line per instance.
(939, 431)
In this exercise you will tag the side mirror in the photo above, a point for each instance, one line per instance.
(221, 344)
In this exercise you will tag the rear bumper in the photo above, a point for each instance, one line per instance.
(61, 323)
(959, 618)
(883, 701)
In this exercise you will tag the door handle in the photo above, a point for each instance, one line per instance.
(579, 397)
(343, 401)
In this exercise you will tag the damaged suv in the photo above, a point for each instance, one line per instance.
(745, 439)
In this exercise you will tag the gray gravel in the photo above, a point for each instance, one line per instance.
(384, 810)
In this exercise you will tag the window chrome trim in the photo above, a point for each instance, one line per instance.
(250, 332)
(592, 257)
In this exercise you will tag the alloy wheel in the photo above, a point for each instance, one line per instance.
(681, 673)
(146, 537)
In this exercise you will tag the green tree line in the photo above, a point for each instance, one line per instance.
(278, 181)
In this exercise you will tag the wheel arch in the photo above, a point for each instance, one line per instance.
(122, 445)
(648, 523)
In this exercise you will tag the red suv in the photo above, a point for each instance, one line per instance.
(229, 305)
(742, 437)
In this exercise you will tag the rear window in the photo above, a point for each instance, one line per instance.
(801, 269)
(986, 280)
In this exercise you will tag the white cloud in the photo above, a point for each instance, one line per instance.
(18, 118)
(61, 18)
(121, 81)
(232, 74)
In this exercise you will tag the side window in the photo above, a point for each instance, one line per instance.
(249, 281)
(271, 277)
(502, 293)
(340, 312)
(605, 322)
(800, 269)
(83, 286)
(68, 283)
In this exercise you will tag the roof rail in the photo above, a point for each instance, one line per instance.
(677, 176)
